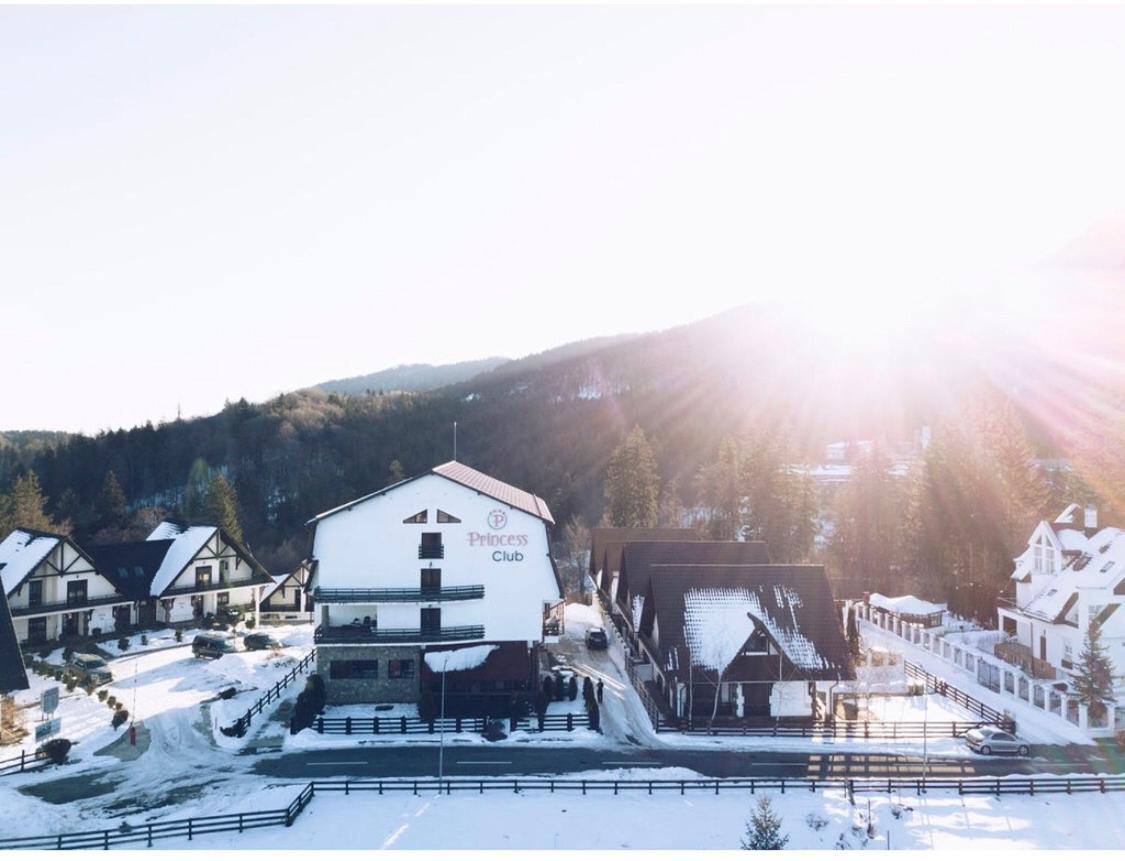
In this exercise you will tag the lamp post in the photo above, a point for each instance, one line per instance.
(441, 743)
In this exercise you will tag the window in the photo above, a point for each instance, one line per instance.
(34, 593)
(224, 570)
(431, 546)
(1038, 558)
(353, 669)
(400, 669)
(36, 630)
(1010, 625)
(431, 579)
(76, 593)
(443, 517)
(420, 517)
(758, 644)
(222, 600)
(431, 619)
(203, 577)
(1068, 655)
(1049, 559)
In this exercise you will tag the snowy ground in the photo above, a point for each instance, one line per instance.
(667, 820)
(1033, 724)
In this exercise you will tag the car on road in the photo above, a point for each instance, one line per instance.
(987, 740)
(259, 642)
(212, 645)
(596, 639)
(89, 670)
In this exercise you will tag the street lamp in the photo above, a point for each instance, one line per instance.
(441, 743)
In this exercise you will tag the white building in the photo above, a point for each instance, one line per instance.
(55, 590)
(449, 558)
(1071, 574)
(288, 599)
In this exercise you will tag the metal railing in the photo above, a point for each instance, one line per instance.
(837, 729)
(357, 634)
(197, 826)
(372, 596)
(69, 606)
(938, 685)
(239, 727)
(401, 725)
(431, 551)
(226, 586)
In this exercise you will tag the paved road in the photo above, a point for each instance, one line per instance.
(481, 761)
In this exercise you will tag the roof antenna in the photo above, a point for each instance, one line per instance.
(455, 440)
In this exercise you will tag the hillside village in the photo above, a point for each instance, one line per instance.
(432, 611)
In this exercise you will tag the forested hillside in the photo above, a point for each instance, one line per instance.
(550, 423)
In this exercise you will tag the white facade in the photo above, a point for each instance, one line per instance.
(59, 594)
(494, 545)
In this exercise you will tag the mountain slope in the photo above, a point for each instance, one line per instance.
(410, 378)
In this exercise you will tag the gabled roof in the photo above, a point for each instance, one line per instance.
(642, 559)
(606, 543)
(186, 542)
(130, 565)
(293, 578)
(13, 676)
(693, 607)
(468, 477)
(21, 552)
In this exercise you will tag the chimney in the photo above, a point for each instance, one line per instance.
(1091, 518)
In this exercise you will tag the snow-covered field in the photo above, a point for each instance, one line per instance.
(696, 820)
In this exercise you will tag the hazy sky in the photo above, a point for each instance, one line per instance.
(206, 203)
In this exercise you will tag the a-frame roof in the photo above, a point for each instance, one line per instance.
(13, 676)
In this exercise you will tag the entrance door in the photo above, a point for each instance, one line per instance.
(70, 625)
(431, 621)
(197, 606)
(37, 630)
(121, 617)
(757, 699)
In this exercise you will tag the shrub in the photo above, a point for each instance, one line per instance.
(572, 689)
(315, 686)
(179, 635)
(56, 749)
(111, 701)
(144, 639)
(587, 689)
(227, 693)
(763, 831)
(548, 687)
(541, 701)
(67, 653)
(71, 683)
(89, 688)
(250, 623)
(123, 644)
(118, 706)
(119, 717)
(102, 694)
(303, 713)
(58, 675)
(95, 632)
(44, 653)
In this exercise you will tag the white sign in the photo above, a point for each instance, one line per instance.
(48, 728)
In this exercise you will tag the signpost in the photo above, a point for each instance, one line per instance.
(49, 701)
(47, 728)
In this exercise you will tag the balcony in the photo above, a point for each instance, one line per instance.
(431, 551)
(349, 634)
(400, 596)
(256, 580)
(70, 606)
(1021, 656)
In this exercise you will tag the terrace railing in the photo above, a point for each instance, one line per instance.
(406, 595)
(346, 634)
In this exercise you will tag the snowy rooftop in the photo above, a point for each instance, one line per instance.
(905, 605)
(457, 660)
(187, 541)
(20, 553)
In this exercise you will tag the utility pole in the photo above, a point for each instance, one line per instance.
(455, 440)
(441, 743)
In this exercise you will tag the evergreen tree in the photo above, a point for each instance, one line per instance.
(221, 506)
(110, 508)
(25, 506)
(722, 488)
(671, 508)
(632, 485)
(763, 831)
(867, 519)
(853, 633)
(1093, 682)
(394, 472)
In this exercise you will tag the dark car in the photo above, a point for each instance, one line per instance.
(596, 639)
(89, 670)
(259, 642)
(211, 645)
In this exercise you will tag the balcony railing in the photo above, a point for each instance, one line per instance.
(346, 634)
(376, 596)
(431, 551)
(256, 580)
(1021, 656)
(69, 606)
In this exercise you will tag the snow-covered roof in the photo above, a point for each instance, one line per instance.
(187, 541)
(712, 610)
(20, 554)
(906, 605)
(457, 660)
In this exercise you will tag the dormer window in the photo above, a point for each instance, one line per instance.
(758, 644)
(420, 517)
(443, 517)
(1038, 558)
(1107, 566)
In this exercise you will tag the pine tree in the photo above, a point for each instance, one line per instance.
(25, 507)
(853, 633)
(722, 487)
(763, 831)
(221, 506)
(394, 472)
(632, 485)
(111, 508)
(1093, 682)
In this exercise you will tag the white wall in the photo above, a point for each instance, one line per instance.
(54, 587)
(789, 699)
(369, 546)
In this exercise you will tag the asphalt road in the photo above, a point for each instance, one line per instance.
(490, 761)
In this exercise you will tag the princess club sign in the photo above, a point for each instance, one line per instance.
(498, 520)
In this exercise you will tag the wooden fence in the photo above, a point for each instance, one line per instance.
(239, 727)
(376, 725)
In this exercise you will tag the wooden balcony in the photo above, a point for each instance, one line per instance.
(1021, 656)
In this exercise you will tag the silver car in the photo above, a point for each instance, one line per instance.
(988, 740)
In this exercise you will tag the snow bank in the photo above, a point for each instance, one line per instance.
(456, 660)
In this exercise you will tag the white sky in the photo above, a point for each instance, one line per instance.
(207, 203)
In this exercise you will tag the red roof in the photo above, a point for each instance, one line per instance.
(499, 490)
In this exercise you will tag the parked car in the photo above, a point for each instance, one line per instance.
(596, 639)
(988, 740)
(259, 642)
(211, 645)
(89, 669)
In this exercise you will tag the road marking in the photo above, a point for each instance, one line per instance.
(341, 762)
(484, 762)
